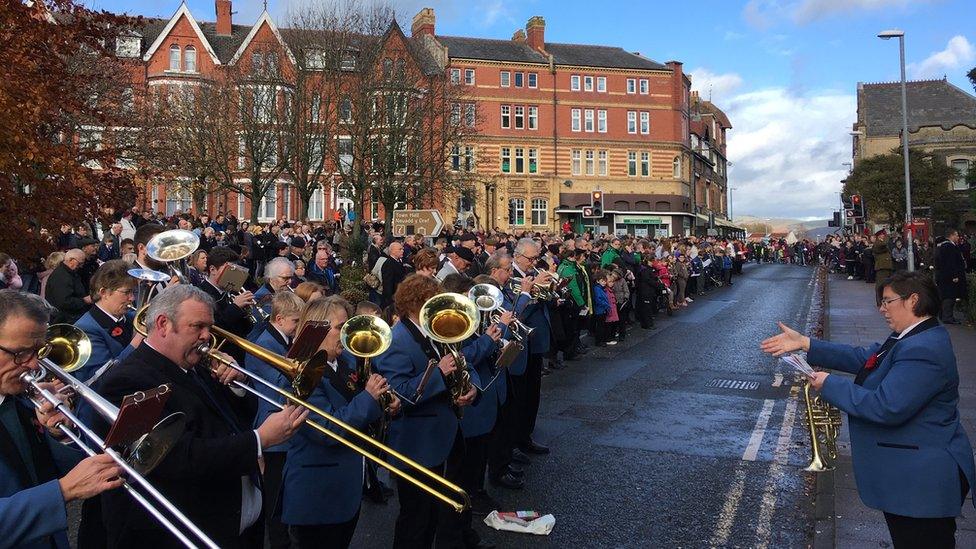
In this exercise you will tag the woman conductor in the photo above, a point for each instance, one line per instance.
(912, 458)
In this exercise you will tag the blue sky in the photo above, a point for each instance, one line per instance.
(785, 71)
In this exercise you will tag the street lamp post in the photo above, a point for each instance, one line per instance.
(900, 35)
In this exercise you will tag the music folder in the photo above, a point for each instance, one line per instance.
(309, 340)
(138, 414)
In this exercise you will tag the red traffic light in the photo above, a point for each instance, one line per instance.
(856, 199)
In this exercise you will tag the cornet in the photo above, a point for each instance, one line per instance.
(488, 299)
(367, 336)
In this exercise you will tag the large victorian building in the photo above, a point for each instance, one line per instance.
(941, 122)
(552, 123)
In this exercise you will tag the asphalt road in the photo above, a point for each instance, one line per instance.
(683, 436)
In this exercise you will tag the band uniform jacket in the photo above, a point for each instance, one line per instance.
(516, 304)
(426, 430)
(271, 339)
(228, 316)
(323, 479)
(32, 514)
(536, 315)
(907, 442)
(104, 347)
(202, 473)
(479, 418)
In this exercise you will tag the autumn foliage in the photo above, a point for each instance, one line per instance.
(60, 84)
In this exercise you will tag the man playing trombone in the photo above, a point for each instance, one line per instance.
(211, 473)
(33, 489)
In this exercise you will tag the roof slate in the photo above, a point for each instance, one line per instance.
(930, 103)
(563, 54)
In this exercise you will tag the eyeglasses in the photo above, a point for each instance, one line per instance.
(889, 301)
(26, 355)
(530, 257)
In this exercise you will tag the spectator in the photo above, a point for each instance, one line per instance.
(65, 291)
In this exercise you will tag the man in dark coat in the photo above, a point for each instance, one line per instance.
(65, 290)
(950, 275)
(392, 272)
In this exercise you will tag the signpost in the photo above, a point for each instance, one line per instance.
(423, 222)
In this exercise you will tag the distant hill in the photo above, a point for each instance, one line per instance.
(776, 225)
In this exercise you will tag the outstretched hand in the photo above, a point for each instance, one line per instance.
(789, 340)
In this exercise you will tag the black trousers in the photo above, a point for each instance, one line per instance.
(422, 518)
(600, 329)
(274, 468)
(499, 449)
(324, 536)
(948, 310)
(528, 392)
(927, 533)
(472, 477)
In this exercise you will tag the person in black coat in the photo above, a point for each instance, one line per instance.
(65, 291)
(211, 474)
(232, 312)
(392, 272)
(950, 275)
(649, 286)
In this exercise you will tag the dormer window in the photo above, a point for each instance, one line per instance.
(128, 46)
(174, 58)
(190, 59)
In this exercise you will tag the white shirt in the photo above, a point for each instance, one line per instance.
(108, 314)
(912, 327)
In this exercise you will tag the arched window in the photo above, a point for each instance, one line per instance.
(174, 58)
(676, 167)
(642, 206)
(387, 68)
(190, 59)
(663, 206)
(540, 211)
(621, 206)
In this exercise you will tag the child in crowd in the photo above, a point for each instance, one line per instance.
(621, 294)
(601, 306)
(613, 316)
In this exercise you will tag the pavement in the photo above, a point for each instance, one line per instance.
(842, 519)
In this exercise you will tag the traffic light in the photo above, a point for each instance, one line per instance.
(857, 204)
(596, 205)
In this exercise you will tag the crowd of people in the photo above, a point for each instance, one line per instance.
(562, 295)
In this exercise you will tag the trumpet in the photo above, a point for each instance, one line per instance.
(449, 319)
(539, 292)
(66, 350)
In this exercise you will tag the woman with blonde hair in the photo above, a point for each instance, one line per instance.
(53, 260)
(309, 291)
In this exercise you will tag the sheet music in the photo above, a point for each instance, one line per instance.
(798, 363)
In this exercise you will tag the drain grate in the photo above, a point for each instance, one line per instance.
(741, 384)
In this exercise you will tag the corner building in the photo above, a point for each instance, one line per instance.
(556, 121)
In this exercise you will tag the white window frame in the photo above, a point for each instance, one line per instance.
(632, 163)
(189, 59)
(506, 114)
(455, 76)
(645, 164)
(505, 153)
(602, 163)
(178, 198)
(631, 85)
(577, 162)
(505, 79)
(645, 123)
(588, 83)
(574, 83)
(533, 158)
(519, 155)
(644, 87)
(588, 120)
(470, 115)
(241, 214)
(469, 77)
(960, 184)
(519, 204)
(676, 167)
(601, 84)
(589, 164)
(532, 80)
(601, 121)
(175, 56)
(632, 122)
(533, 121)
(518, 80)
(316, 205)
(269, 203)
(575, 120)
(518, 120)
(540, 211)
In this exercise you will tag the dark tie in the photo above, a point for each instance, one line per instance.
(863, 373)
(217, 403)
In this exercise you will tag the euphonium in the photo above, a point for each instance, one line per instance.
(367, 336)
(174, 246)
(449, 319)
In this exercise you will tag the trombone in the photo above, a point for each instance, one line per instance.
(295, 371)
(70, 345)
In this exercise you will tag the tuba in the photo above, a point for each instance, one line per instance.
(449, 319)
(367, 336)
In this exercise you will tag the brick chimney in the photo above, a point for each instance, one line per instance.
(224, 18)
(423, 23)
(519, 36)
(535, 31)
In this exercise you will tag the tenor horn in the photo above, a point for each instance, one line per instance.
(174, 247)
(367, 336)
(450, 319)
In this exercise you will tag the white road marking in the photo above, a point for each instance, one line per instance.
(777, 380)
(755, 441)
(727, 517)
(775, 474)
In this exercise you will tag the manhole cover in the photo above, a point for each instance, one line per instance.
(589, 412)
(741, 384)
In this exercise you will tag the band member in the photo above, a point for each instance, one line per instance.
(458, 261)
(277, 277)
(144, 234)
(277, 338)
(911, 455)
(429, 430)
(38, 474)
(528, 388)
(501, 470)
(323, 485)
(211, 473)
(108, 324)
(232, 312)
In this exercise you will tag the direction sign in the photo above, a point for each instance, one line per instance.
(423, 222)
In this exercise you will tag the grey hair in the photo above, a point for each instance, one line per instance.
(523, 243)
(75, 253)
(167, 302)
(277, 266)
(495, 261)
(16, 304)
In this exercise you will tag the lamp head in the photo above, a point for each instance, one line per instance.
(889, 34)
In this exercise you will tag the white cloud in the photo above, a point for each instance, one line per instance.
(763, 13)
(788, 150)
(715, 86)
(958, 53)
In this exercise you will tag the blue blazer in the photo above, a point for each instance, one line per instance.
(907, 443)
(323, 480)
(425, 432)
(104, 346)
(535, 315)
(479, 418)
(29, 515)
(269, 339)
(516, 304)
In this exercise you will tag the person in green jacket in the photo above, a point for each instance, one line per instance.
(580, 305)
(611, 254)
